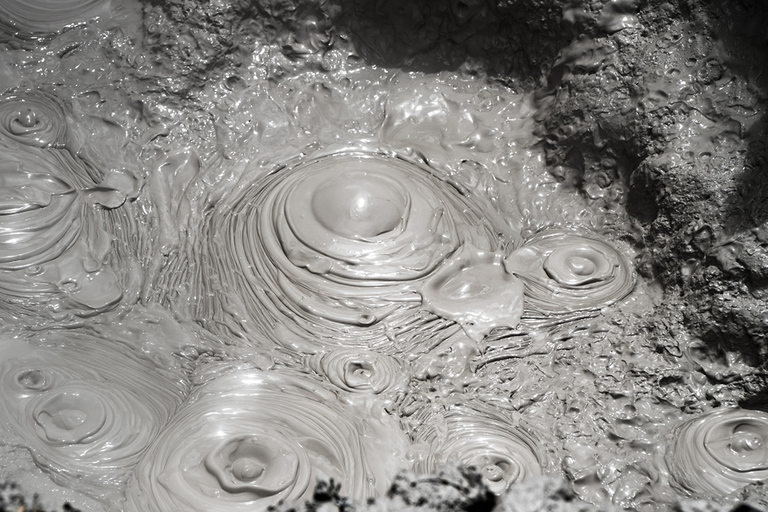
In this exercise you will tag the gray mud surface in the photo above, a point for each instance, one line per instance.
(629, 133)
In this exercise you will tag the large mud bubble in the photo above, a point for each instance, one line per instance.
(247, 245)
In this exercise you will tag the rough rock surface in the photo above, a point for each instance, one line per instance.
(670, 122)
(456, 490)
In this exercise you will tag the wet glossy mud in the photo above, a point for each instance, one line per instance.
(238, 255)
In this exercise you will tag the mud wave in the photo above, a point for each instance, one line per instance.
(360, 371)
(54, 245)
(41, 18)
(39, 214)
(488, 440)
(334, 247)
(33, 119)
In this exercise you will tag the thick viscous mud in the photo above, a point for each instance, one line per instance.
(249, 246)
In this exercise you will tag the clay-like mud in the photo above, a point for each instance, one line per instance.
(246, 247)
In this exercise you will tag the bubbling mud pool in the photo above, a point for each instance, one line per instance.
(313, 268)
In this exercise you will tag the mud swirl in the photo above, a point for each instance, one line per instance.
(40, 18)
(335, 246)
(33, 119)
(486, 439)
(56, 237)
(566, 272)
(85, 407)
(39, 217)
(720, 452)
(250, 439)
(360, 371)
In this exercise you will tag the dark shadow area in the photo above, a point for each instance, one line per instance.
(743, 32)
(516, 40)
(641, 196)
(748, 207)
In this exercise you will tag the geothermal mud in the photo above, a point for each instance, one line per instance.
(246, 247)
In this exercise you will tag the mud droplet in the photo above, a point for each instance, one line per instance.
(474, 289)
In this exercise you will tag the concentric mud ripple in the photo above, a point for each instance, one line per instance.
(334, 247)
(39, 217)
(721, 452)
(85, 407)
(54, 249)
(41, 18)
(360, 371)
(249, 439)
(34, 119)
(488, 440)
(565, 273)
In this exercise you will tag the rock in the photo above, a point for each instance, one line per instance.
(651, 109)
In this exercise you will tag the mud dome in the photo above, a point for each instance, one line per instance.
(250, 246)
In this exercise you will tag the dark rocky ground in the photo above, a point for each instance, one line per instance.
(457, 491)
(675, 117)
